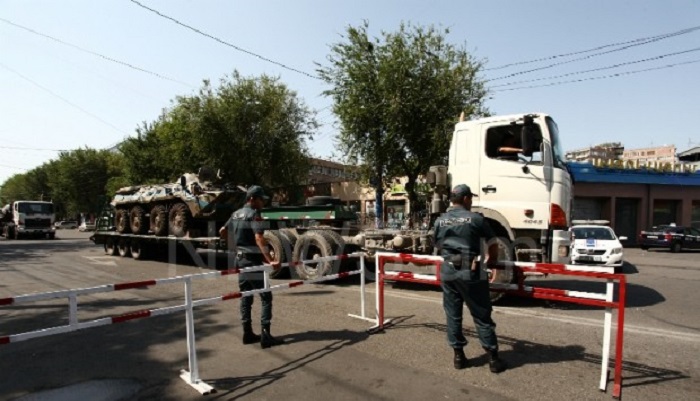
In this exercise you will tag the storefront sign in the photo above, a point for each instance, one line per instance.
(657, 167)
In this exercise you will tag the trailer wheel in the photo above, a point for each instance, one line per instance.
(137, 252)
(289, 238)
(123, 248)
(159, 220)
(137, 223)
(121, 220)
(502, 276)
(110, 247)
(277, 252)
(179, 219)
(312, 245)
(337, 245)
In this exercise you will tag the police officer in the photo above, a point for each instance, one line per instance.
(244, 233)
(458, 235)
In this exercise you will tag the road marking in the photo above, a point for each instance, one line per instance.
(101, 260)
(629, 328)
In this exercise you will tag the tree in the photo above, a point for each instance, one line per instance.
(397, 98)
(253, 129)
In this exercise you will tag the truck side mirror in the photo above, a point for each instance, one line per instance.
(527, 136)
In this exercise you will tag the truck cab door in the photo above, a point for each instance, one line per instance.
(516, 186)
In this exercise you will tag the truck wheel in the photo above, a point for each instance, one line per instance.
(498, 276)
(123, 248)
(676, 247)
(289, 238)
(137, 252)
(137, 220)
(121, 220)
(179, 220)
(276, 251)
(110, 247)
(312, 245)
(159, 221)
(337, 245)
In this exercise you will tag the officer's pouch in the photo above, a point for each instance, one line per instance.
(459, 261)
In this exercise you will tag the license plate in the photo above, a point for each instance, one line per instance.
(590, 241)
(597, 258)
(652, 236)
(585, 258)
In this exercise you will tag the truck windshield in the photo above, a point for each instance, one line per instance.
(557, 150)
(34, 208)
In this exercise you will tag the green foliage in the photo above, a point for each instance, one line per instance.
(399, 96)
(253, 129)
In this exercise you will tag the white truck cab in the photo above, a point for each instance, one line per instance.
(515, 165)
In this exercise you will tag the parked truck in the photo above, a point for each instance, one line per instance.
(25, 218)
(525, 195)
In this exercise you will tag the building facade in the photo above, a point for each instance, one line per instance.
(658, 154)
(604, 151)
(635, 199)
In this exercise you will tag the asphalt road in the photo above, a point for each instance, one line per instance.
(553, 349)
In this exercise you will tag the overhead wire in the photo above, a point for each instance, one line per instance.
(223, 42)
(123, 63)
(599, 68)
(599, 77)
(62, 98)
(655, 39)
(661, 36)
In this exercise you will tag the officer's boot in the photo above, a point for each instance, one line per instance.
(266, 339)
(249, 337)
(460, 359)
(496, 364)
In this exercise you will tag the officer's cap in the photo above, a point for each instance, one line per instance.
(460, 191)
(256, 191)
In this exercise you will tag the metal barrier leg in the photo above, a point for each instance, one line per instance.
(363, 275)
(191, 377)
(607, 333)
(617, 387)
(73, 309)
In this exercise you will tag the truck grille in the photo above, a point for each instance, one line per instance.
(37, 223)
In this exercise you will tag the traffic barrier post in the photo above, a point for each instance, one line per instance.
(605, 300)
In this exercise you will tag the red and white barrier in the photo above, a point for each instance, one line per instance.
(190, 376)
(605, 300)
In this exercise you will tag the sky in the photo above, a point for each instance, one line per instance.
(76, 89)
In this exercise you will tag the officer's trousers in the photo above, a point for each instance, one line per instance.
(460, 287)
(253, 281)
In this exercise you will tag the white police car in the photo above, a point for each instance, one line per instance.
(596, 244)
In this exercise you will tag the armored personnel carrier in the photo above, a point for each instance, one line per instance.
(184, 208)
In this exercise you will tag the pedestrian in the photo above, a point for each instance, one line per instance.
(244, 235)
(458, 235)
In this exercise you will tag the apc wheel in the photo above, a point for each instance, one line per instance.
(137, 220)
(179, 219)
(312, 245)
(277, 252)
(159, 221)
(110, 247)
(676, 247)
(123, 248)
(502, 276)
(121, 220)
(137, 252)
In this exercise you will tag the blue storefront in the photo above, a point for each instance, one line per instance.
(633, 199)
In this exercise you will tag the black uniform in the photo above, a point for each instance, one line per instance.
(459, 234)
(242, 227)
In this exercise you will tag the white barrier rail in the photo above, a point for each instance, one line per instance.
(190, 376)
